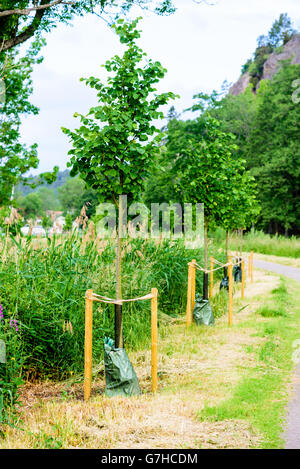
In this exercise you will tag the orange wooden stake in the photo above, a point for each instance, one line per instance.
(211, 280)
(88, 344)
(230, 292)
(154, 339)
(189, 297)
(243, 279)
(193, 286)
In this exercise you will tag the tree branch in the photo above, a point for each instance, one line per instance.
(26, 34)
(27, 11)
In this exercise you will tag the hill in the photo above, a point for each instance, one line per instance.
(62, 177)
(290, 51)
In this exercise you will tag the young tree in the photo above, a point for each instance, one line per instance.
(114, 147)
(204, 167)
(242, 207)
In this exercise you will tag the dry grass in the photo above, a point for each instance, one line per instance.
(198, 366)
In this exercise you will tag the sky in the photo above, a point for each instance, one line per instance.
(201, 45)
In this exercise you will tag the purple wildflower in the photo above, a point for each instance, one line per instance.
(14, 323)
(1, 313)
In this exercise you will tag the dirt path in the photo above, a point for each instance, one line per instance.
(292, 428)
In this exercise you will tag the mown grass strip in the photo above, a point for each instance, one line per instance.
(261, 396)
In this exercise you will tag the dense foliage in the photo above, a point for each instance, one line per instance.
(116, 142)
(16, 158)
(22, 20)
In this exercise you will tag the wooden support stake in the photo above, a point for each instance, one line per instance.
(193, 285)
(211, 280)
(251, 266)
(230, 293)
(88, 344)
(154, 339)
(243, 279)
(189, 297)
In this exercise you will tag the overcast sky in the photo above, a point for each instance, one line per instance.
(200, 45)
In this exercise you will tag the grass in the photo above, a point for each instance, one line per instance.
(262, 243)
(42, 291)
(289, 261)
(263, 391)
(219, 387)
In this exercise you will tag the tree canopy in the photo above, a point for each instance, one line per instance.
(116, 143)
(17, 158)
(22, 20)
(274, 151)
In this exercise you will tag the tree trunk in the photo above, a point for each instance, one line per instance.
(226, 253)
(205, 276)
(227, 245)
(241, 243)
(119, 342)
(286, 232)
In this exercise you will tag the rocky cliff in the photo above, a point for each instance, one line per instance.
(291, 50)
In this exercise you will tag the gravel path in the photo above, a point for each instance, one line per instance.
(291, 272)
(292, 428)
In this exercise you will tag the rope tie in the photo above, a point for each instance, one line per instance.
(221, 266)
(105, 299)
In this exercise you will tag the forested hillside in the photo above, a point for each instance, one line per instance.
(264, 120)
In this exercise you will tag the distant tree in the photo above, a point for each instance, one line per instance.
(89, 199)
(236, 115)
(70, 193)
(31, 205)
(274, 152)
(68, 222)
(48, 198)
(281, 31)
(46, 222)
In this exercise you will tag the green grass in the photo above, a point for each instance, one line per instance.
(45, 286)
(262, 243)
(260, 397)
(268, 312)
